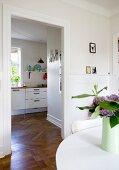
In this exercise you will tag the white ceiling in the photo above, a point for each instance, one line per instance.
(35, 31)
(108, 4)
(103, 7)
(28, 30)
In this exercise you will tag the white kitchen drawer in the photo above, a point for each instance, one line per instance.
(32, 89)
(43, 89)
(43, 95)
(36, 103)
(36, 89)
(36, 95)
(43, 103)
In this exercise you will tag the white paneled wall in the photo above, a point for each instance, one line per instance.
(83, 84)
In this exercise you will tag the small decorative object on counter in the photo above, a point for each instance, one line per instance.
(16, 79)
(106, 107)
(45, 76)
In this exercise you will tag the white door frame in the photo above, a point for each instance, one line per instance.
(8, 12)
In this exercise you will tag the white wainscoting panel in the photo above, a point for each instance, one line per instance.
(83, 84)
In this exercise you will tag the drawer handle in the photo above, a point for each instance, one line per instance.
(36, 89)
(16, 90)
(36, 93)
(36, 100)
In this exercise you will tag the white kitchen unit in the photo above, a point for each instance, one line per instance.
(36, 98)
(28, 100)
(17, 99)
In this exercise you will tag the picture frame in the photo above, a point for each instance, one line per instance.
(88, 70)
(94, 70)
(92, 47)
(118, 45)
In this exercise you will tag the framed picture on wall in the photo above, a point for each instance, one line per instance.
(92, 47)
(88, 70)
(94, 70)
(118, 45)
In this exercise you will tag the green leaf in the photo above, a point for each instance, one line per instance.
(109, 105)
(82, 96)
(95, 88)
(96, 112)
(117, 116)
(105, 88)
(85, 107)
(113, 121)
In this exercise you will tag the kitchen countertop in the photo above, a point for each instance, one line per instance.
(25, 87)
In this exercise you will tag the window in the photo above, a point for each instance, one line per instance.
(15, 66)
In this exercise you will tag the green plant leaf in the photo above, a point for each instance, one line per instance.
(82, 96)
(95, 88)
(113, 121)
(109, 105)
(96, 112)
(105, 88)
(117, 116)
(85, 107)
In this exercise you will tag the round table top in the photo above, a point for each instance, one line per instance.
(82, 151)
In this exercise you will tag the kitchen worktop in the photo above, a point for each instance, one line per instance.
(25, 87)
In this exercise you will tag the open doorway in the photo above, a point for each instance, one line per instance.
(35, 88)
(35, 53)
(8, 12)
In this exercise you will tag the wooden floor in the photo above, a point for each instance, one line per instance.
(34, 144)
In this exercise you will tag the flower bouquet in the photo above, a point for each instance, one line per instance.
(106, 107)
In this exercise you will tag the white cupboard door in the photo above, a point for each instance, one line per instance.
(18, 99)
(43, 95)
(32, 95)
(30, 104)
(43, 103)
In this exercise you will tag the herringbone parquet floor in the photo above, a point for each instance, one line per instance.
(34, 143)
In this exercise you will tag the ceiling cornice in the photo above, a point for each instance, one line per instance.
(93, 7)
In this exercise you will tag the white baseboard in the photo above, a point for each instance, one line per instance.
(54, 120)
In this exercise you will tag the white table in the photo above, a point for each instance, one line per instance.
(82, 151)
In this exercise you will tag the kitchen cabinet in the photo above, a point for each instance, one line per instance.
(36, 98)
(17, 99)
(28, 98)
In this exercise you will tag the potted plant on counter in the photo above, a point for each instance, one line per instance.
(15, 79)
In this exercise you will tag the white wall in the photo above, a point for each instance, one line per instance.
(31, 52)
(114, 78)
(53, 90)
(115, 24)
(85, 27)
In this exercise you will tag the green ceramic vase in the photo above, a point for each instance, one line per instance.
(110, 137)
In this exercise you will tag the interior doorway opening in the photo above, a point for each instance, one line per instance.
(35, 52)
(36, 91)
(8, 12)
